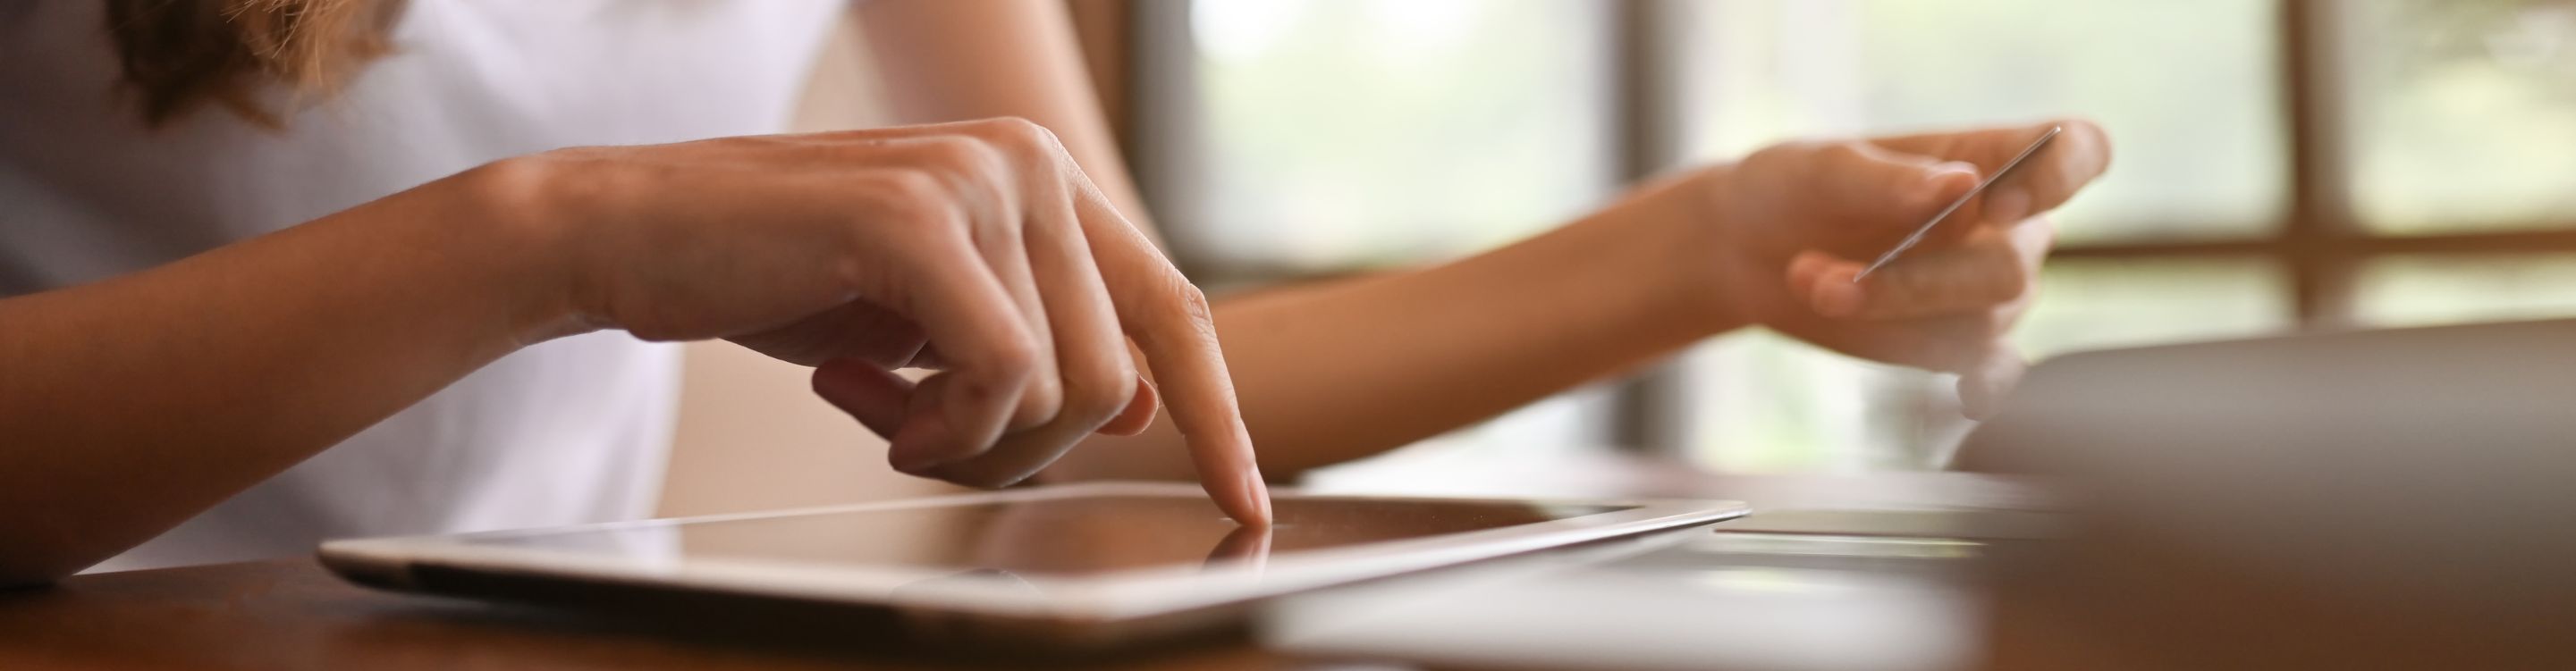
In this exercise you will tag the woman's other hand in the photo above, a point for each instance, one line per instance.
(1795, 223)
(977, 249)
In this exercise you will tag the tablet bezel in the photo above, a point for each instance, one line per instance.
(1110, 596)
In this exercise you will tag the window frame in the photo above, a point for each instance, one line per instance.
(2320, 243)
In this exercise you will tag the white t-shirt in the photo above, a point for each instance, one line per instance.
(569, 431)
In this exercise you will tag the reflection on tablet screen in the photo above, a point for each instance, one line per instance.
(1060, 537)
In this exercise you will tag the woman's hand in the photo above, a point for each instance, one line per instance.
(977, 249)
(1797, 222)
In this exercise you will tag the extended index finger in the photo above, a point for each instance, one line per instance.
(1171, 322)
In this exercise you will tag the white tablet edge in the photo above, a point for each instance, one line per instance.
(1101, 597)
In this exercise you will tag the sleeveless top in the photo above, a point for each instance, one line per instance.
(569, 431)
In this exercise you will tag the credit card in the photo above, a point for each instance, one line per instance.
(1926, 229)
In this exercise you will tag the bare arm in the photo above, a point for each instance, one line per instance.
(952, 60)
(1340, 370)
(128, 405)
(133, 403)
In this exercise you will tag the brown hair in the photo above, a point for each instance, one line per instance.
(177, 55)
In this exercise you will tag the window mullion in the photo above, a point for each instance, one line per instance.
(2323, 267)
(1651, 412)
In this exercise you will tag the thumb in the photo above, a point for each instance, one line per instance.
(871, 394)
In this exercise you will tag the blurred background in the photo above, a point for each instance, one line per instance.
(2282, 165)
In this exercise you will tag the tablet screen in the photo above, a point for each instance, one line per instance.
(1066, 536)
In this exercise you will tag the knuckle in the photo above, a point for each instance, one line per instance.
(1190, 302)
(1780, 153)
(1806, 155)
(1013, 359)
(1043, 399)
(914, 204)
(1094, 401)
(913, 189)
(1018, 136)
(997, 384)
(964, 163)
(974, 156)
(981, 172)
(1842, 151)
(952, 152)
(1023, 132)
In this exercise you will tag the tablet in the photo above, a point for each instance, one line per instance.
(1080, 565)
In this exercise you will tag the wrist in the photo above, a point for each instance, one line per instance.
(1676, 220)
(512, 213)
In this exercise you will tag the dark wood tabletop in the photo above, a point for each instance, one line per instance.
(291, 614)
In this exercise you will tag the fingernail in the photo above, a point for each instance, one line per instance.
(1259, 491)
(917, 465)
(1803, 274)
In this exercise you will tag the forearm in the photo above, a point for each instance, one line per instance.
(131, 404)
(954, 60)
(1347, 369)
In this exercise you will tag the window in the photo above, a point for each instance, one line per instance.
(2457, 113)
(2194, 74)
(2293, 164)
(1350, 135)
(1343, 134)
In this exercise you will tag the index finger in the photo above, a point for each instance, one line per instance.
(1170, 321)
(2079, 154)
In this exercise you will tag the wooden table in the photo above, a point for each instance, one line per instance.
(290, 614)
